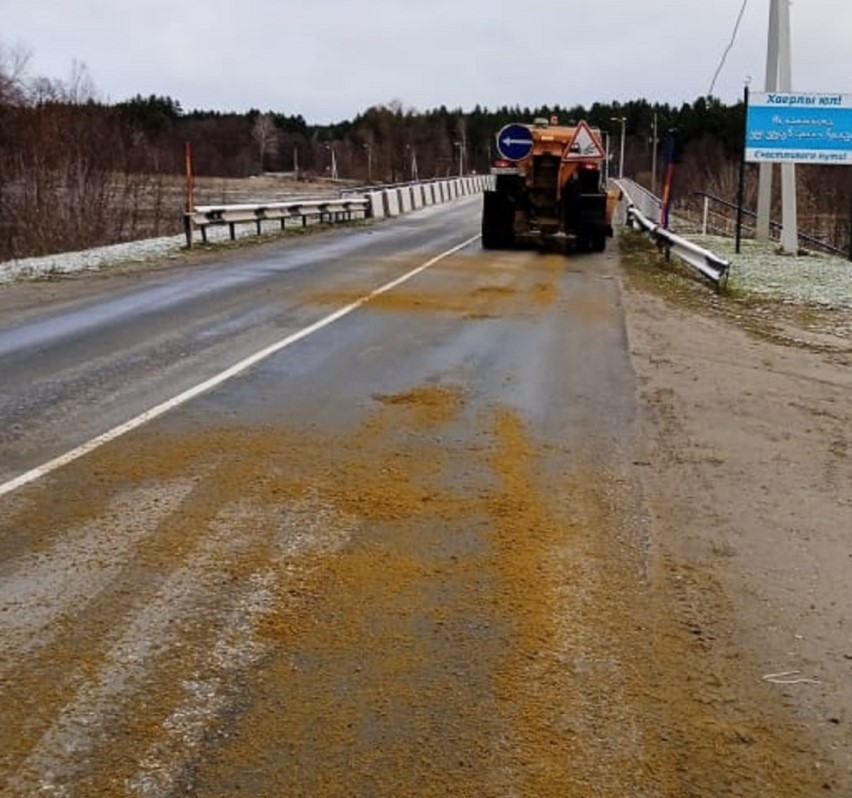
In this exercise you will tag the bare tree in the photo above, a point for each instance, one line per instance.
(80, 88)
(14, 62)
(265, 134)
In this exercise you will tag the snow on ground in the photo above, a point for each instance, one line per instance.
(146, 250)
(90, 259)
(759, 271)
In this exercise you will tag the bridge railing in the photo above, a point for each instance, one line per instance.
(710, 266)
(716, 216)
(373, 202)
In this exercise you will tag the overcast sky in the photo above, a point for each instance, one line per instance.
(330, 59)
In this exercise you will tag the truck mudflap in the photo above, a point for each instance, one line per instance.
(498, 220)
(585, 217)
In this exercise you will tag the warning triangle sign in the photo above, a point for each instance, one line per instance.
(585, 146)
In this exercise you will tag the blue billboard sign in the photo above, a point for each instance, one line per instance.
(799, 128)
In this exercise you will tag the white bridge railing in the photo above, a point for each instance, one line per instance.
(643, 212)
(379, 203)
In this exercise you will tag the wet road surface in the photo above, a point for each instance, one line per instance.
(407, 555)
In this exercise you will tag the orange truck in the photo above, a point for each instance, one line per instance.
(548, 189)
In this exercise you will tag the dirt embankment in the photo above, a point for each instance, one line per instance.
(746, 421)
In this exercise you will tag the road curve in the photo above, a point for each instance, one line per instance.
(406, 555)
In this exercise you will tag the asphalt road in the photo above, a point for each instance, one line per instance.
(404, 555)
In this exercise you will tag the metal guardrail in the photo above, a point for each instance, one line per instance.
(648, 203)
(325, 210)
(372, 203)
(651, 205)
(711, 267)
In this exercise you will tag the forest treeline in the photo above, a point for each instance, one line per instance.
(76, 171)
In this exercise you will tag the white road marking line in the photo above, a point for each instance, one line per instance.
(170, 404)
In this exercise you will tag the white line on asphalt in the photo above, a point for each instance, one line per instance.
(238, 368)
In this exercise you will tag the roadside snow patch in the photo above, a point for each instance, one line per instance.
(759, 271)
(148, 249)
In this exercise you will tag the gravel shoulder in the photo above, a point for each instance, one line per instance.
(745, 425)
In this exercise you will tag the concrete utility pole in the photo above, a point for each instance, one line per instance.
(767, 170)
(460, 145)
(789, 211)
(779, 77)
(369, 148)
(623, 120)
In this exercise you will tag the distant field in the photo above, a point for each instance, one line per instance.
(60, 217)
(263, 188)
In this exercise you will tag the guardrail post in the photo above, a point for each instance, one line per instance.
(232, 227)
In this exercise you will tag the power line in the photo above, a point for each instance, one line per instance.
(728, 48)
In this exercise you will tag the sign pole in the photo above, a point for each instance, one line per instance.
(190, 194)
(850, 213)
(668, 178)
(741, 189)
(654, 158)
(187, 154)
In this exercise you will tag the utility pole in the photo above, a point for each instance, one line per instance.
(623, 121)
(767, 170)
(369, 148)
(779, 77)
(789, 219)
(334, 175)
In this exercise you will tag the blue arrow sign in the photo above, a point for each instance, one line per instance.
(515, 142)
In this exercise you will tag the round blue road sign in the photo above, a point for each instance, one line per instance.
(515, 142)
